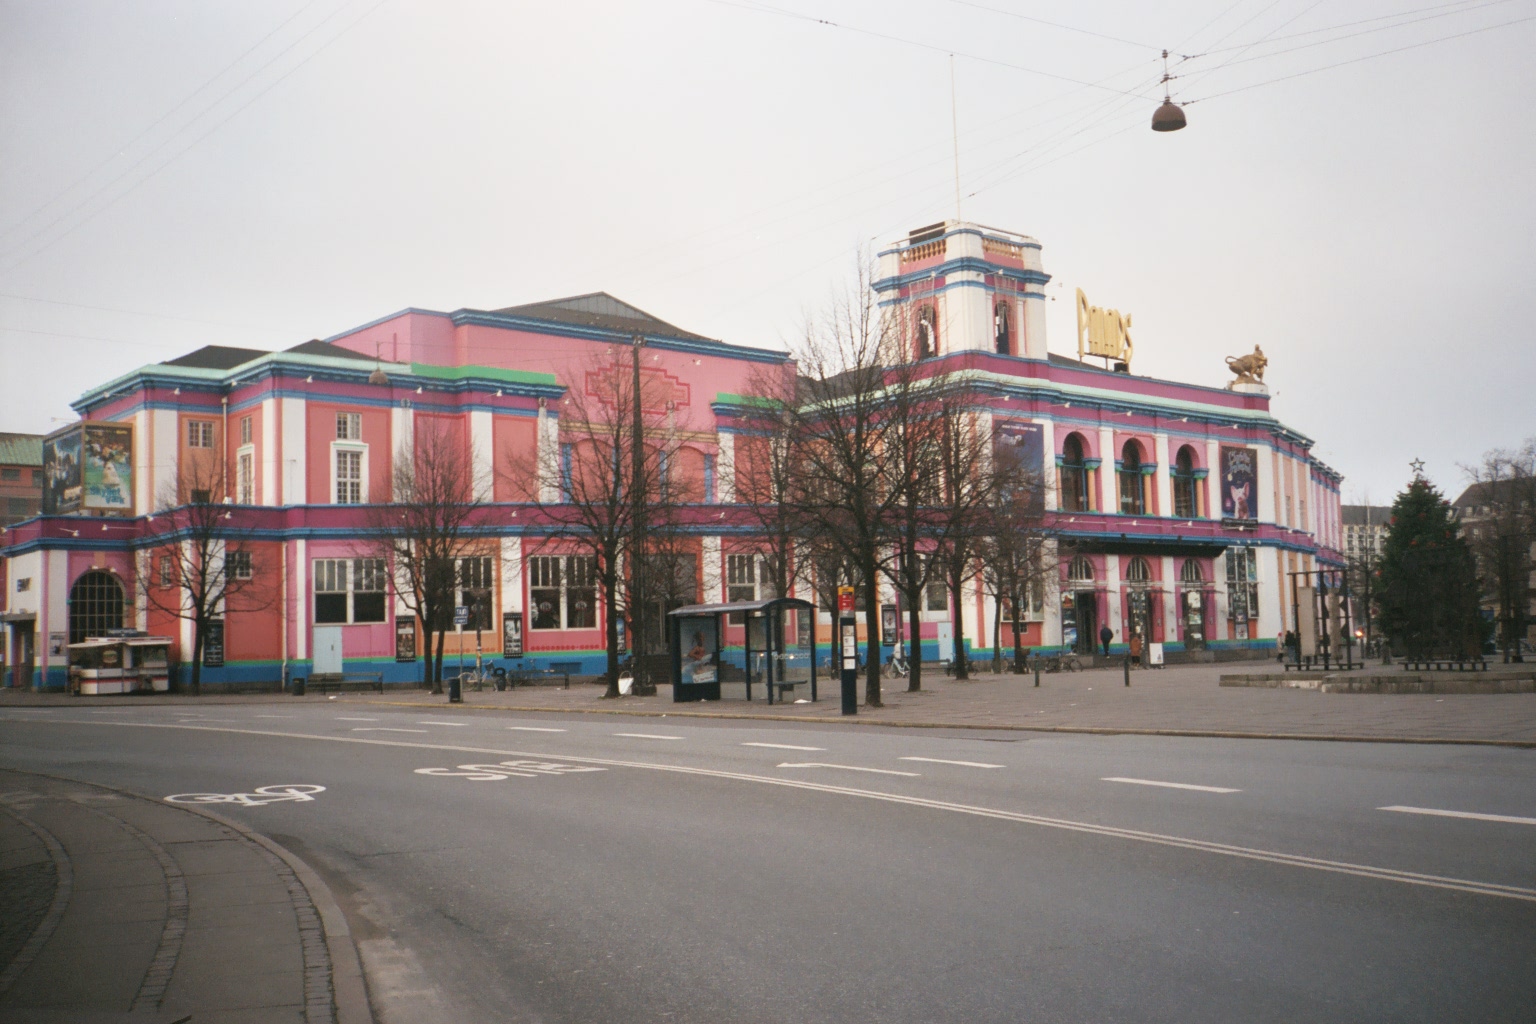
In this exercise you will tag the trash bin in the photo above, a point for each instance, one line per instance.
(298, 686)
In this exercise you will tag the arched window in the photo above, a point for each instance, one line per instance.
(1191, 572)
(1184, 501)
(1133, 497)
(1002, 337)
(1074, 476)
(1081, 570)
(927, 333)
(1138, 571)
(95, 605)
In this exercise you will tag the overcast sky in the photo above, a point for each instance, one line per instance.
(257, 174)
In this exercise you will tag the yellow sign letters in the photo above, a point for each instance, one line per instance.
(1103, 332)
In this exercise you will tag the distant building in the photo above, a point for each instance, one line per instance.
(1365, 530)
(21, 477)
(1475, 509)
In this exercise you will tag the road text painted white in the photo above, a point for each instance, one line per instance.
(1173, 785)
(848, 768)
(646, 736)
(456, 725)
(964, 764)
(532, 728)
(1509, 818)
(384, 728)
(264, 795)
(782, 746)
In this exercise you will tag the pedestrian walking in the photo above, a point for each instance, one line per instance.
(1105, 636)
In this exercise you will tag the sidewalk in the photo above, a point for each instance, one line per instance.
(118, 908)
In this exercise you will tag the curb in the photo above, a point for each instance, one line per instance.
(1083, 730)
(348, 988)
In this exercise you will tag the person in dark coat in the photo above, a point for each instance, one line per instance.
(1105, 636)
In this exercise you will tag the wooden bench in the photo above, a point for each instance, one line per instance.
(1446, 665)
(538, 677)
(351, 680)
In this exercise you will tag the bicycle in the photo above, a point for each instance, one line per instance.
(896, 665)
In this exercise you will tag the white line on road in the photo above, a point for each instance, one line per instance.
(848, 768)
(782, 746)
(385, 728)
(456, 725)
(344, 718)
(1172, 785)
(964, 764)
(1510, 818)
(646, 736)
(274, 716)
(532, 728)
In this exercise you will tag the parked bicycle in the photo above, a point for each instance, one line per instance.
(896, 665)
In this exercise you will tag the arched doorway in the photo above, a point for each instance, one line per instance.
(1192, 600)
(1138, 604)
(1080, 608)
(95, 605)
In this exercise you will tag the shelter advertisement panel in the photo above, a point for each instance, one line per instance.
(213, 644)
(703, 645)
(512, 634)
(107, 467)
(1239, 498)
(405, 638)
(61, 472)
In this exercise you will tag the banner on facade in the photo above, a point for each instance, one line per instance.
(1239, 497)
(405, 638)
(213, 644)
(887, 625)
(512, 634)
(107, 467)
(61, 472)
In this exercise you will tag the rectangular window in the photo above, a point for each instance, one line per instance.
(200, 497)
(167, 571)
(349, 426)
(1243, 584)
(10, 474)
(199, 433)
(740, 582)
(240, 565)
(245, 478)
(349, 477)
(37, 477)
(709, 479)
(474, 591)
(562, 590)
(349, 590)
(245, 430)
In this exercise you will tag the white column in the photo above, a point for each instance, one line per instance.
(725, 470)
(1164, 475)
(713, 570)
(1110, 494)
(1217, 630)
(1268, 624)
(512, 575)
(294, 466)
(1034, 325)
(402, 434)
(270, 461)
(1048, 463)
(1112, 582)
(549, 456)
(482, 448)
(141, 568)
(143, 489)
(1170, 599)
(165, 431)
(1265, 512)
(1213, 478)
(301, 574)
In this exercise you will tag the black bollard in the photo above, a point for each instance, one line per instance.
(1127, 664)
(1037, 672)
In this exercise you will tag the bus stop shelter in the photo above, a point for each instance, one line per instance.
(777, 651)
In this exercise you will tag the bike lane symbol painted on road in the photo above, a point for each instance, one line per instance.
(504, 770)
(262, 796)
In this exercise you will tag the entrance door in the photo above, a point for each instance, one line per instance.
(22, 655)
(327, 651)
(1086, 614)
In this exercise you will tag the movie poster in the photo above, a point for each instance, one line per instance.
(107, 467)
(1027, 443)
(512, 634)
(1239, 497)
(61, 472)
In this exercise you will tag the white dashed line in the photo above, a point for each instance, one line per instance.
(963, 764)
(532, 728)
(385, 728)
(848, 768)
(781, 746)
(646, 736)
(343, 718)
(1507, 818)
(456, 725)
(274, 716)
(1172, 785)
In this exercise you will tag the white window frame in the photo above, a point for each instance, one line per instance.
(245, 430)
(352, 569)
(349, 426)
(240, 567)
(200, 434)
(349, 448)
(245, 475)
(533, 571)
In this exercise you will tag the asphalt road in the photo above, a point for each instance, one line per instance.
(643, 869)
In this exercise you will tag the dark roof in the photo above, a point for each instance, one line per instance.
(217, 357)
(1356, 515)
(599, 309)
(1497, 492)
(325, 348)
(21, 449)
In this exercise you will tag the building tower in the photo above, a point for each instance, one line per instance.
(958, 286)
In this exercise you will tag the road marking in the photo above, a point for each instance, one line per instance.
(1513, 892)
(500, 772)
(963, 764)
(262, 796)
(848, 768)
(385, 728)
(646, 736)
(274, 716)
(532, 728)
(456, 725)
(781, 746)
(1510, 818)
(1172, 785)
(343, 718)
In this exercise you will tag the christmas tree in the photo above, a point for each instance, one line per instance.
(1427, 581)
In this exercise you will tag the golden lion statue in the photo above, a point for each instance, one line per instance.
(1249, 368)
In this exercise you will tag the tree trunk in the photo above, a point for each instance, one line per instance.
(610, 590)
(997, 632)
(915, 649)
(197, 657)
(870, 570)
(1018, 658)
(437, 668)
(957, 580)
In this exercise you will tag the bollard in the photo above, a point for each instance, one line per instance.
(298, 686)
(1037, 672)
(1127, 664)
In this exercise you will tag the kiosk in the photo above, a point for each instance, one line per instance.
(778, 647)
(130, 663)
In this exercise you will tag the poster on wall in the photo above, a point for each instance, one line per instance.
(1026, 441)
(887, 625)
(512, 634)
(61, 472)
(1239, 499)
(405, 638)
(56, 642)
(107, 467)
(213, 644)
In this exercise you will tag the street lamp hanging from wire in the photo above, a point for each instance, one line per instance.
(1170, 116)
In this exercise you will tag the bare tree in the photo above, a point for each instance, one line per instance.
(1501, 530)
(1017, 544)
(967, 487)
(426, 532)
(768, 460)
(201, 563)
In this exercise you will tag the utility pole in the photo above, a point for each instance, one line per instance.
(637, 540)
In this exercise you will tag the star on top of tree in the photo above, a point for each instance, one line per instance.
(1418, 468)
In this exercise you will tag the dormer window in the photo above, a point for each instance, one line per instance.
(927, 333)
